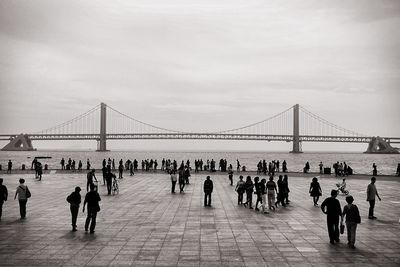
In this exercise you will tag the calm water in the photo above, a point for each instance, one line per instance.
(361, 163)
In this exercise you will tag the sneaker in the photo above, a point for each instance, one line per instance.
(332, 242)
(251, 208)
(257, 209)
(352, 246)
(92, 231)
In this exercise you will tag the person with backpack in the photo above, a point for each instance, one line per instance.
(23, 194)
(240, 186)
(74, 199)
(352, 219)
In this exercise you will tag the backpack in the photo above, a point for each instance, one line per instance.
(28, 193)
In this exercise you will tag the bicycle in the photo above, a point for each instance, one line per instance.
(115, 186)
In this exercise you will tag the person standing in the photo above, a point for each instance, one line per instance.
(120, 170)
(74, 199)
(9, 166)
(62, 162)
(23, 195)
(240, 186)
(208, 188)
(92, 199)
(230, 174)
(315, 191)
(352, 219)
(371, 193)
(374, 170)
(331, 207)
(321, 165)
(174, 179)
(3, 196)
(281, 192)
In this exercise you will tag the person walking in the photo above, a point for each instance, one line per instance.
(271, 189)
(281, 192)
(23, 194)
(315, 190)
(240, 187)
(371, 193)
(174, 179)
(263, 195)
(286, 190)
(109, 180)
(90, 177)
(181, 178)
(352, 219)
(74, 199)
(257, 186)
(249, 188)
(92, 199)
(3, 196)
(331, 207)
(208, 188)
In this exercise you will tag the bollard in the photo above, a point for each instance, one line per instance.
(23, 167)
(46, 167)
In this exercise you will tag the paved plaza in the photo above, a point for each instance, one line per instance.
(145, 225)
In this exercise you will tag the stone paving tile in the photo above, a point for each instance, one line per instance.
(145, 225)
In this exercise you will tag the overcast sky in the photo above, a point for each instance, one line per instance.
(200, 65)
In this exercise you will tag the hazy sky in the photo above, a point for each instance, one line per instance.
(200, 65)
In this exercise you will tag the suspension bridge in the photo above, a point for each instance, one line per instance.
(295, 124)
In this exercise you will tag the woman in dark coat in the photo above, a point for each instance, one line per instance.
(315, 190)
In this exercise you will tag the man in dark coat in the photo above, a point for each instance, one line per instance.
(331, 207)
(208, 188)
(109, 178)
(3, 195)
(74, 199)
(92, 199)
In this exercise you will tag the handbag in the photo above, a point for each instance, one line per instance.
(341, 228)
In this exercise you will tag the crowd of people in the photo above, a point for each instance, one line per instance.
(270, 195)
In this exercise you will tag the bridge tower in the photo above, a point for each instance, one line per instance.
(102, 142)
(296, 130)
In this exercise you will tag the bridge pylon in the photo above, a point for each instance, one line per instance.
(102, 142)
(296, 130)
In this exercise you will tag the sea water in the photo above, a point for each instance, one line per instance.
(361, 163)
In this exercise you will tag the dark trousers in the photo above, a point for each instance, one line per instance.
(74, 213)
(22, 207)
(371, 208)
(181, 186)
(240, 197)
(1, 207)
(231, 178)
(333, 227)
(249, 198)
(173, 186)
(91, 218)
(109, 185)
(207, 195)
